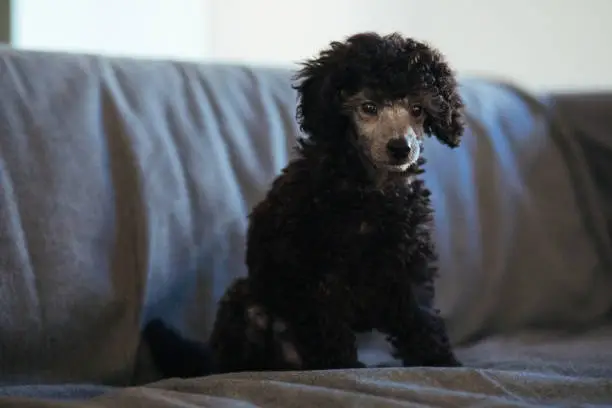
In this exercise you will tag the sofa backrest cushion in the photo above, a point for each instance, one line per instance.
(125, 187)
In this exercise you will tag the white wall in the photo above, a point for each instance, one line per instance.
(539, 43)
(143, 28)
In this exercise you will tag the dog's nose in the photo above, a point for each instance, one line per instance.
(399, 148)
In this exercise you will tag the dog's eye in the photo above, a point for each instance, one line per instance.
(369, 108)
(416, 111)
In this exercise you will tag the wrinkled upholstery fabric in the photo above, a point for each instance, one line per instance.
(519, 221)
(125, 187)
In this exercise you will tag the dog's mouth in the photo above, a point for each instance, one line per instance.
(397, 168)
(393, 165)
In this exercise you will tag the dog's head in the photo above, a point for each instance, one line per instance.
(383, 92)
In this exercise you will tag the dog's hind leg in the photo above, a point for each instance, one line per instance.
(323, 336)
(246, 337)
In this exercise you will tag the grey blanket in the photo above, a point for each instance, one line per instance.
(125, 187)
(371, 388)
(532, 369)
(366, 388)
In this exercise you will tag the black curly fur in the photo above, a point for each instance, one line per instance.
(337, 246)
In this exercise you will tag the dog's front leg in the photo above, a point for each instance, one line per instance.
(323, 335)
(325, 343)
(418, 334)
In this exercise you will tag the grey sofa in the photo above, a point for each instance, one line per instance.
(124, 191)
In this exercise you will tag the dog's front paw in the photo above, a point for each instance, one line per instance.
(285, 345)
(358, 364)
(453, 362)
(444, 361)
(262, 327)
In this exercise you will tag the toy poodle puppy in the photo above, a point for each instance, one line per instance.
(342, 242)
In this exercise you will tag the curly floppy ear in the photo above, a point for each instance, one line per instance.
(319, 94)
(447, 122)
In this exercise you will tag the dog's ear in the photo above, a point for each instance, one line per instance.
(319, 93)
(446, 120)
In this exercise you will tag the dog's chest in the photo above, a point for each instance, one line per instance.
(375, 216)
(372, 228)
